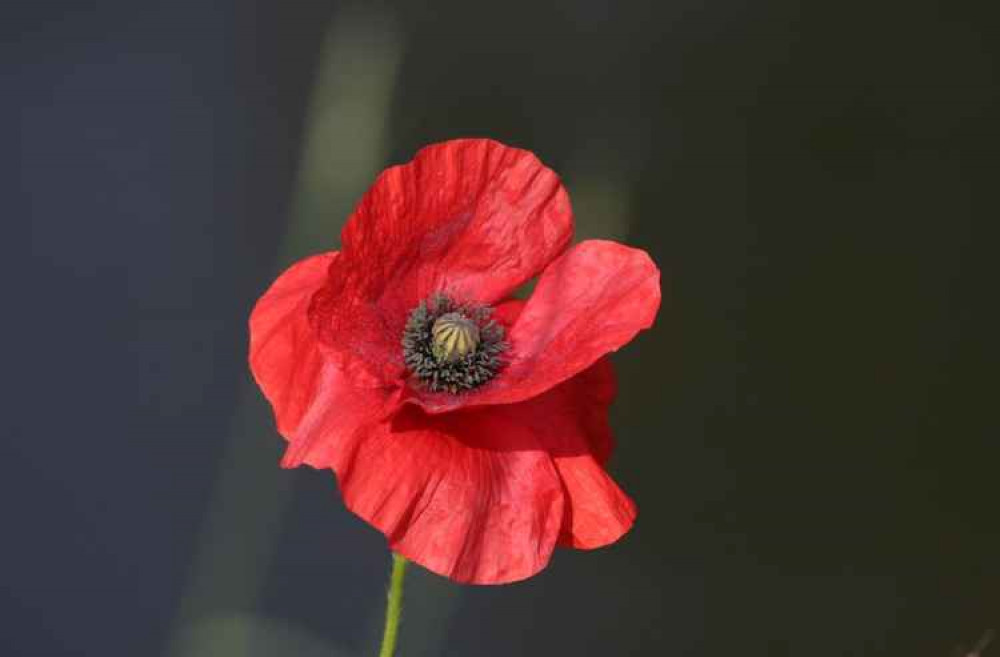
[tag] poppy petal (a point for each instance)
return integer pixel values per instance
(581, 408)
(483, 496)
(592, 300)
(470, 218)
(598, 512)
(318, 407)
(473, 513)
(284, 355)
(573, 418)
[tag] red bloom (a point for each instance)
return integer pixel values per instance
(470, 428)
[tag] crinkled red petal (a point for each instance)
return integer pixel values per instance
(471, 511)
(483, 496)
(317, 406)
(284, 355)
(598, 512)
(572, 420)
(592, 300)
(469, 218)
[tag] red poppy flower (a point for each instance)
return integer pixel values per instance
(470, 428)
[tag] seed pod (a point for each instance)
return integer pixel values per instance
(453, 337)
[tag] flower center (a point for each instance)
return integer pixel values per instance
(452, 347)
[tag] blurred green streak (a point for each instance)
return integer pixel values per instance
(343, 149)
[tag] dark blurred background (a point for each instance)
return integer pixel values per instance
(809, 430)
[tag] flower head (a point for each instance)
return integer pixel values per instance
(467, 426)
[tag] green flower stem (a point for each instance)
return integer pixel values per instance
(394, 606)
